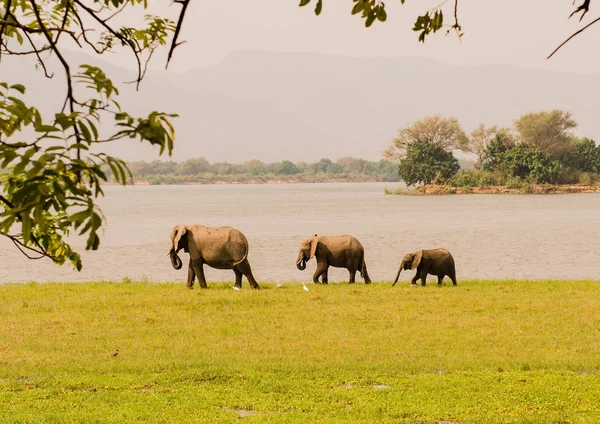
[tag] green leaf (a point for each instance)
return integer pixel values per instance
(19, 87)
(304, 2)
(318, 7)
(26, 228)
(358, 7)
(370, 19)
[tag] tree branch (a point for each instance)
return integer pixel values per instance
(2, 26)
(576, 33)
(20, 246)
(118, 36)
(174, 43)
(585, 7)
(42, 252)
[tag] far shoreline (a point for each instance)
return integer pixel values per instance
(252, 181)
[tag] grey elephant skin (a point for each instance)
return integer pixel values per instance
(217, 247)
(431, 261)
(343, 251)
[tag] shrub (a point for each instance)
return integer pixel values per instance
(583, 155)
(589, 178)
(477, 178)
(425, 162)
(523, 161)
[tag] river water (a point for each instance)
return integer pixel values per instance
(490, 236)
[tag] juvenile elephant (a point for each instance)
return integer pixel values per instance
(217, 247)
(434, 261)
(339, 251)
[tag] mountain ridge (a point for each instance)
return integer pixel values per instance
(304, 106)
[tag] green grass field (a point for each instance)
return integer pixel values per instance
(481, 352)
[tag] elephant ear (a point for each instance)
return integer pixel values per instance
(313, 246)
(416, 259)
(176, 235)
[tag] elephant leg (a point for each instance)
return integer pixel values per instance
(364, 274)
(246, 269)
(452, 276)
(321, 269)
(423, 275)
(440, 278)
(198, 266)
(191, 276)
(415, 278)
(325, 278)
(352, 279)
(238, 279)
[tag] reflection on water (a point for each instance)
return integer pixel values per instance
(490, 236)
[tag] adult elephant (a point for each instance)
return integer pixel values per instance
(338, 251)
(437, 262)
(217, 247)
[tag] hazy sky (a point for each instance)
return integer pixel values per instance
(519, 32)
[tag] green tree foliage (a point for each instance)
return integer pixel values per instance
(426, 162)
(326, 166)
(444, 132)
(483, 135)
(193, 166)
(549, 131)
(286, 168)
(583, 156)
(523, 161)
(254, 167)
(52, 178)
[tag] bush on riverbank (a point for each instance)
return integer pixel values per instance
(500, 351)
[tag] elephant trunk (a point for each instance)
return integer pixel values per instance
(175, 260)
(398, 275)
(301, 262)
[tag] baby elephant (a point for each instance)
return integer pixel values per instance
(434, 261)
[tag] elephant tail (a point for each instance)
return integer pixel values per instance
(243, 259)
(364, 274)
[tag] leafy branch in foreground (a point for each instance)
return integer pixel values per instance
(433, 20)
(51, 177)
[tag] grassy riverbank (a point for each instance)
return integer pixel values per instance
(484, 351)
(437, 189)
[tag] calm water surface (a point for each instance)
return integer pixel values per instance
(490, 236)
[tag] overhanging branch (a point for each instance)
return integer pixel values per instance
(174, 43)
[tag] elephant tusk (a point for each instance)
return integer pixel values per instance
(301, 264)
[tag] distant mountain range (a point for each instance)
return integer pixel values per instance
(302, 106)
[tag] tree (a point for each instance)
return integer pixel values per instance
(523, 161)
(52, 177)
(531, 163)
(583, 156)
(443, 132)
(426, 162)
(492, 153)
(482, 136)
(254, 167)
(355, 165)
(321, 166)
(286, 167)
(548, 130)
(193, 166)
